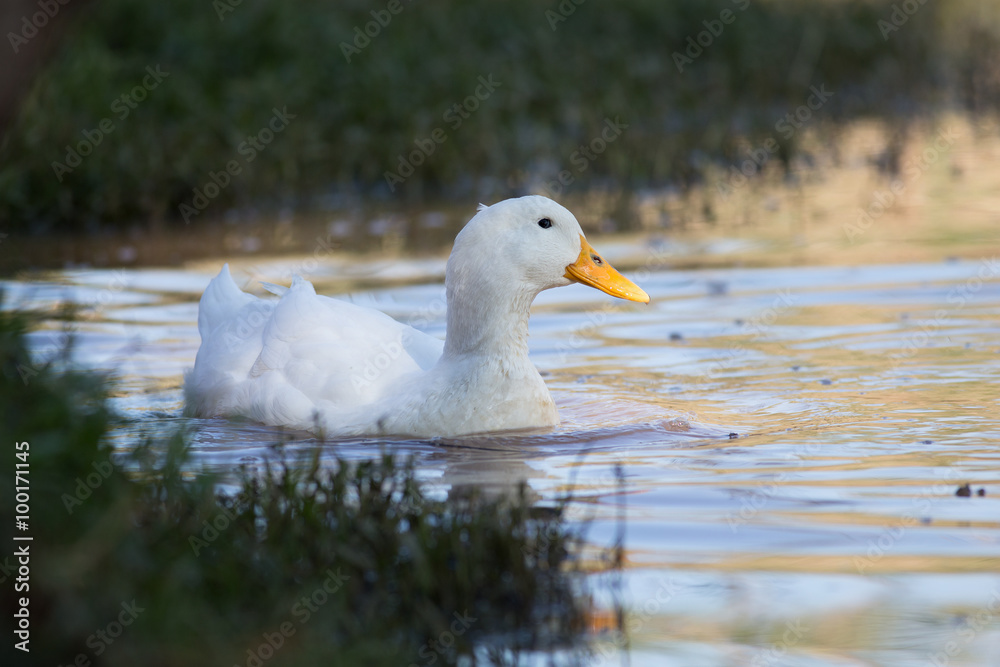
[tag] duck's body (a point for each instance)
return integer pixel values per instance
(311, 362)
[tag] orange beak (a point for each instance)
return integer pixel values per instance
(590, 269)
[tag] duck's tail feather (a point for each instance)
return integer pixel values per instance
(276, 290)
(220, 302)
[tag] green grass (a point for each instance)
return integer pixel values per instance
(348, 564)
(353, 120)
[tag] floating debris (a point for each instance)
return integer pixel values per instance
(717, 287)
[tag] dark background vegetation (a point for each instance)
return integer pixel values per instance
(411, 563)
(354, 120)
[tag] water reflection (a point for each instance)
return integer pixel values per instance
(858, 400)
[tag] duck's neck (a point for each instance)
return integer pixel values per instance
(488, 324)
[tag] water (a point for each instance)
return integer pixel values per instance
(791, 439)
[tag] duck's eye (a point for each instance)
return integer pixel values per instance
(544, 223)
(597, 260)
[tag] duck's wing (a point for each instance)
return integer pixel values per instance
(337, 351)
(279, 362)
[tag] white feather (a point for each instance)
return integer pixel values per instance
(276, 290)
(311, 362)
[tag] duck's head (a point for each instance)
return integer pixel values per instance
(534, 244)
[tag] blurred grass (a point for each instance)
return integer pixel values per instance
(216, 575)
(354, 120)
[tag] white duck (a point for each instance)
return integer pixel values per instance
(315, 363)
